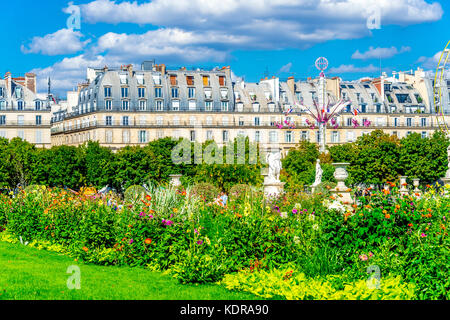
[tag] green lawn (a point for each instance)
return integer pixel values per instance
(31, 274)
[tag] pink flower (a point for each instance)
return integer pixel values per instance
(131, 241)
(294, 211)
(363, 257)
(199, 242)
(423, 235)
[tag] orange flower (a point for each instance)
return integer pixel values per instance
(428, 186)
(354, 206)
(85, 249)
(386, 191)
(410, 224)
(148, 241)
(238, 215)
(387, 216)
(397, 206)
(384, 211)
(148, 197)
(175, 210)
(46, 228)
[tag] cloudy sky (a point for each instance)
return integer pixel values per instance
(254, 37)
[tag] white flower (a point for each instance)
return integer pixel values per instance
(315, 227)
(311, 217)
(297, 206)
(284, 215)
(336, 205)
(296, 239)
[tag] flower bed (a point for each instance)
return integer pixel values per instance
(405, 237)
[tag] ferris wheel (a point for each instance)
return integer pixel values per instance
(439, 84)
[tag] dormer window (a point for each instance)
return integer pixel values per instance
(157, 79)
(190, 80)
(20, 105)
(191, 93)
(2, 92)
(224, 93)
(174, 92)
(107, 92)
(222, 81)
(2, 104)
(18, 92)
(205, 81)
(123, 78)
(141, 92)
(208, 93)
(173, 80)
(140, 79)
(38, 105)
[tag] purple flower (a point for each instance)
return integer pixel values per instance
(294, 211)
(196, 231)
(167, 222)
(141, 214)
(131, 241)
(423, 235)
(199, 242)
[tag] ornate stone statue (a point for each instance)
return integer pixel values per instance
(274, 161)
(319, 173)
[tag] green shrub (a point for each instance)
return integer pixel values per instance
(239, 191)
(134, 194)
(206, 191)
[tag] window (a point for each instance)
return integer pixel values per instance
(158, 93)
(257, 122)
(2, 105)
(109, 136)
(396, 122)
(141, 92)
(140, 78)
(125, 121)
(395, 133)
(257, 136)
(224, 105)
(125, 105)
(173, 80)
(208, 105)
(176, 105)
(192, 105)
(225, 136)
(208, 94)
(224, 93)
(20, 105)
(350, 136)
(205, 81)
(288, 137)
(108, 104)
(1, 91)
(126, 136)
(142, 105)
(18, 92)
(424, 134)
(124, 91)
(123, 78)
(222, 81)
(403, 98)
(38, 137)
(209, 135)
(142, 136)
(107, 92)
(192, 121)
(335, 137)
(304, 135)
(241, 121)
(20, 120)
(190, 80)
(225, 121)
(37, 105)
(273, 136)
(174, 92)
(157, 79)
(423, 122)
(191, 93)
(38, 120)
(2, 120)
(349, 122)
(192, 135)
(21, 134)
(108, 120)
(159, 105)
(409, 122)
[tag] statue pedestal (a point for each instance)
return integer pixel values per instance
(403, 187)
(272, 188)
(175, 180)
(341, 192)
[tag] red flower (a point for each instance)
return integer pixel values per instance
(148, 241)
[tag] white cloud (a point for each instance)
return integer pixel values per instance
(64, 41)
(286, 68)
(66, 74)
(266, 24)
(377, 53)
(352, 69)
(430, 62)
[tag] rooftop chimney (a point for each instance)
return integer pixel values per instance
(30, 81)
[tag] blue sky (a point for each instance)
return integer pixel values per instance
(283, 37)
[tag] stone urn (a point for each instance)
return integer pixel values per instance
(175, 180)
(416, 184)
(341, 190)
(403, 186)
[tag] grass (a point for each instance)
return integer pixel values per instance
(31, 274)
